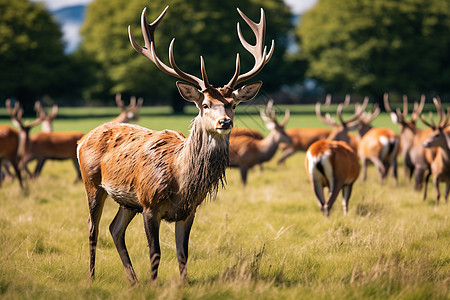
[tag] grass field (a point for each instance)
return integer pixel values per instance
(266, 241)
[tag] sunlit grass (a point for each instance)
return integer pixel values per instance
(266, 241)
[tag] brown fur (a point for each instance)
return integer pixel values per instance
(342, 160)
(9, 143)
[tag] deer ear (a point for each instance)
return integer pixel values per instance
(394, 118)
(190, 92)
(247, 92)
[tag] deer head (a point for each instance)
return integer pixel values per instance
(269, 118)
(129, 113)
(216, 105)
(46, 119)
(340, 130)
(439, 138)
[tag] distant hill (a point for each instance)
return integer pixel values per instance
(73, 14)
(70, 18)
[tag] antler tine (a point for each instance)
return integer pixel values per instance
(54, 111)
(430, 124)
(405, 106)
(119, 101)
(328, 99)
(417, 109)
(39, 110)
(132, 102)
(328, 121)
(287, 115)
(358, 112)
(269, 109)
(386, 103)
(439, 110)
(149, 51)
(258, 51)
(347, 100)
(140, 101)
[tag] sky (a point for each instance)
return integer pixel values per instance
(71, 30)
(298, 6)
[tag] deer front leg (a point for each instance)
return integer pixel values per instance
(96, 199)
(286, 153)
(447, 191)
(436, 187)
(117, 229)
(182, 231)
(151, 225)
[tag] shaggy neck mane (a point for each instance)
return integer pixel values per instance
(204, 163)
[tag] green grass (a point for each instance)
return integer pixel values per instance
(266, 241)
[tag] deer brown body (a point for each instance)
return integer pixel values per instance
(163, 174)
(247, 151)
(331, 164)
(302, 138)
(440, 138)
(9, 144)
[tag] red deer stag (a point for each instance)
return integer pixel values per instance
(340, 131)
(162, 174)
(411, 139)
(378, 145)
(440, 138)
(129, 113)
(331, 164)
(246, 151)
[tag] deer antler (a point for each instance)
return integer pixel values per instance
(149, 51)
(16, 114)
(443, 117)
(259, 50)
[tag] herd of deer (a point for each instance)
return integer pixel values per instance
(165, 176)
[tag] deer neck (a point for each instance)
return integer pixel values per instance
(203, 162)
(269, 145)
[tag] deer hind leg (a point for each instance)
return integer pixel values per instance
(18, 173)
(182, 231)
(117, 228)
(244, 172)
(380, 167)
(77, 168)
(346, 193)
(151, 225)
(427, 177)
(394, 169)
(364, 168)
(318, 191)
(447, 191)
(286, 153)
(436, 187)
(39, 166)
(96, 199)
(334, 192)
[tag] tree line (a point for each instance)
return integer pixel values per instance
(363, 47)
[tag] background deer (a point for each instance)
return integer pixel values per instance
(411, 139)
(331, 164)
(246, 151)
(129, 113)
(162, 174)
(9, 143)
(340, 131)
(440, 138)
(378, 145)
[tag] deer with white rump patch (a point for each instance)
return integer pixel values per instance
(331, 164)
(162, 174)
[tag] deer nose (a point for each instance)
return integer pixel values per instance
(226, 123)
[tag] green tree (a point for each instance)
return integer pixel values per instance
(206, 28)
(374, 46)
(31, 52)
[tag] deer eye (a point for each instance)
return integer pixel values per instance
(234, 106)
(205, 106)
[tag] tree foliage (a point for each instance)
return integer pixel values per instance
(202, 28)
(32, 60)
(373, 46)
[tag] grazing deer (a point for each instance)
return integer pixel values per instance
(378, 145)
(440, 138)
(162, 174)
(302, 138)
(411, 139)
(46, 119)
(246, 151)
(331, 164)
(129, 113)
(340, 131)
